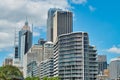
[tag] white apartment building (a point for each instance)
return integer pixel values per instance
(114, 68)
(74, 58)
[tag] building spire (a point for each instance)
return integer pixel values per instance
(26, 22)
(26, 27)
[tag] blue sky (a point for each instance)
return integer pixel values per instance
(100, 18)
(102, 24)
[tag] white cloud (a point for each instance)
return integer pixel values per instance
(114, 49)
(11, 55)
(5, 40)
(13, 13)
(36, 34)
(91, 8)
(79, 1)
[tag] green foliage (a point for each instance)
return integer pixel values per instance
(9, 72)
(51, 78)
(32, 78)
(45, 78)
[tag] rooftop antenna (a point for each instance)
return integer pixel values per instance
(26, 22)
(32, 27)
(26, 19)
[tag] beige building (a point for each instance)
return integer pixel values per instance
(8, 61)
(62, 23)
(17, 64)
(107, 72)
(48, 50)
(34, 54)
(51, 12)
(104, 75)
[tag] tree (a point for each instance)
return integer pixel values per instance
(9, 72)
(51, 78)
(32, 78)
(2, 77)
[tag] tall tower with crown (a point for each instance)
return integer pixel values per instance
(25, 41)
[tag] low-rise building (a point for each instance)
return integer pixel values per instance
(8, 61)
(32, 69)
(46, 68)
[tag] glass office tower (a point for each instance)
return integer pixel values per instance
(25, 41)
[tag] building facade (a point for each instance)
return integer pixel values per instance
(41, 41)
(16, 52)
(46, 68)
(50, 23)
(25, 41)
(62, 23)
(71, 57)
(93, 65)
(114, 68)
(34, 54)
(39, 52)
(48, 50)
(32, 69)
(102, 63)
(16, 55)
(8, 61)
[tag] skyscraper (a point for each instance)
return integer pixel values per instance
(58, 22)
(74, 58)
(25, 41)
(50, 23)
(62, 23)
(102, 63)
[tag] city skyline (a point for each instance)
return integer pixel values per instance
(101, 22)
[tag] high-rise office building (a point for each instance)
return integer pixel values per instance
(25, 41)
(74, 59)
(114, 69)
(58, 22)
(102, 63)
(50, 23)
(16, 60)
(62, 23)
